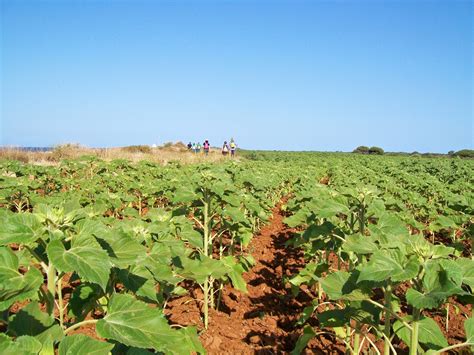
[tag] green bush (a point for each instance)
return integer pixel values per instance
(362, 149)
(464, 153)
(376, 151)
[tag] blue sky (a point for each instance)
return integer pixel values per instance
(291, 75)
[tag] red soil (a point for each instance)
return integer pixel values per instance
(263, 320)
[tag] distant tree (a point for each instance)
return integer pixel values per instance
(451, 152)
(376, 151)
(465, 153)
(362, 149)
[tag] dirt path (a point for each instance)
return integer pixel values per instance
(261, 321)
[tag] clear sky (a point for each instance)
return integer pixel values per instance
(291, 75)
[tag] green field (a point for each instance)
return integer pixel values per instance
(92, 253)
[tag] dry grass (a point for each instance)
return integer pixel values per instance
(163, 155)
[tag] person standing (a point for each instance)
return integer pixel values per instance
(189, 146)
(198, 148)
(206, 147)
(225, 149)
(233, 147)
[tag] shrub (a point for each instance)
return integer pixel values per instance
(362, 149)
(464, 153)
(376, 150)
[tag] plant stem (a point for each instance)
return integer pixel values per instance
(211, 292)
(60, 302)
(51, 286)
(390, 344)
(356, 339)
(362, 219)
(80, 324)
(388, 306)
(373, 345)
(348, 339)
(219, 297)
(414, 332)
(447, 317)
(392, 313)
(455, 346)
(206, 253)
(206, 302)
(320, 292)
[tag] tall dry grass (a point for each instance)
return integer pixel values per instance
(176, 152)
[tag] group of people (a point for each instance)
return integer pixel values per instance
(226, 147)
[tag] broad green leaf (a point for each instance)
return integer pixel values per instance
(391, 226)
(184, 196)
(330, 207)
(23, 345)
(190, 339)
(379, 268)
(88, 227)
(388, 265)
(421, 301)
(21, 228)
(311, 273)
(133, 323)
(91, 263)
(160, 269)
(429, 333)
(334, 318)
(193, 237)
(199, 269)
(235, 214)
(298, 219)
(159, 215)
(364, 312)
(15, 286)
(342, 285)
(30, 320)
(442, 279)
(318, 230)
(235, 271)
(244, 237)
(138, 280)
(442, 251)
(360, 244)
(82, 344)
(467, 267)
(123, 250)
(443, 222)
